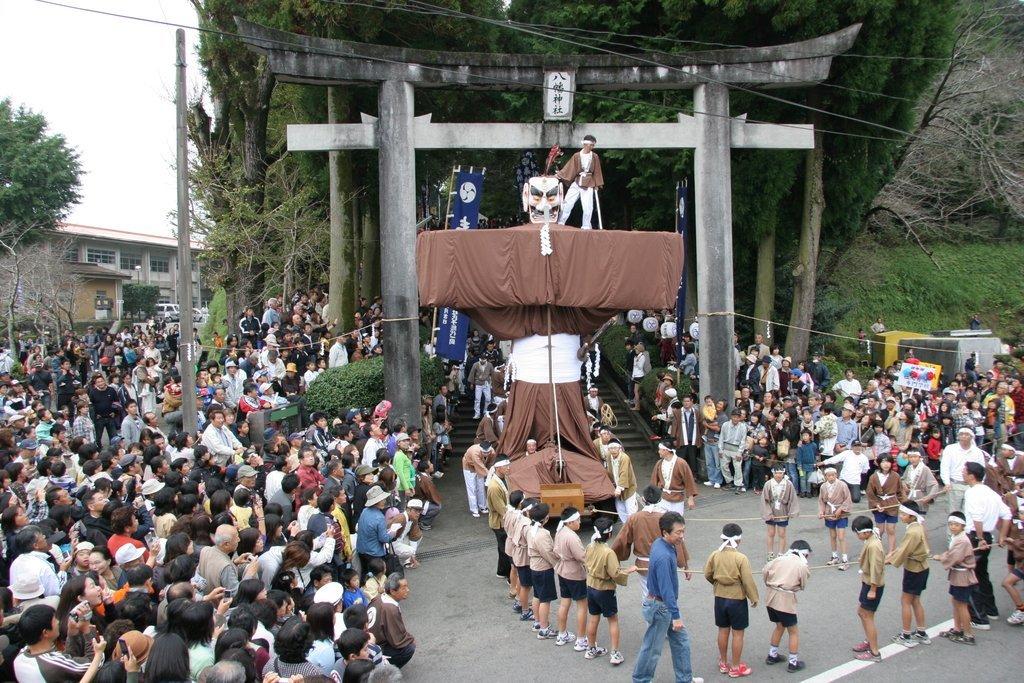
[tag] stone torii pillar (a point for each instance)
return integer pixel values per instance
(396, 141)
(396, 133)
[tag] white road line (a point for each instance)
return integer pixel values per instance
(854, 665)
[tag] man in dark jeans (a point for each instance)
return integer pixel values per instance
(105, 408)
(986, 514)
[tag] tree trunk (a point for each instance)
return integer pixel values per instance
(764, 292)
(342, 303)
(805, 273)
(370, 286)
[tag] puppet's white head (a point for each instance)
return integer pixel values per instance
(542, 198)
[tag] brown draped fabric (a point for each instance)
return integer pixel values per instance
(530, 411)
(590, 269)
(527, 473)
(500, 279)
(523, 321)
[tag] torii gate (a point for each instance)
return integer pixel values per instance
(396, 133)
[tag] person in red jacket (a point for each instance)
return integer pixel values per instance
(309, 475)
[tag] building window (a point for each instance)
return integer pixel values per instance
(101, 293)
(160, 264)
(130, 261)
(100, 256)
(71, 253)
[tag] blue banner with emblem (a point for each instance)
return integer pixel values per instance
(453, 325)
(468, 189)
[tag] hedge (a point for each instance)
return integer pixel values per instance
(361, 384)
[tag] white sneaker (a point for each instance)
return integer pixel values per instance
(707, 483)
(1016, 619)
(743, 489)
(582, 644)
(718, 486)
(476, 514)
(616, 658)
(565, 638)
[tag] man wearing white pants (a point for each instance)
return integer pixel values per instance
(583, 173)
(730, 449)
(480, 380)
(474, 471)
(621, 469)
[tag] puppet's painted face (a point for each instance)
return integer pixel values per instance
(542, 198)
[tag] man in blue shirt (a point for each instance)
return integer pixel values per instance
(661, 608)
(372, 529)
(847, 429)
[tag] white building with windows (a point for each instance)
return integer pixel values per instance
(109, 258)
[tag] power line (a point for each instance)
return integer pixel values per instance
(566, 32)
(490, 79)
(458, 14)
(300, 47)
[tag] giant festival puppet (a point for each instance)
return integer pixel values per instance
(544, 286)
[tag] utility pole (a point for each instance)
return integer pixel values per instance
(187, 353)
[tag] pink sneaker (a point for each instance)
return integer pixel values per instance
(723, 667)
(862, 646)
(740, 671)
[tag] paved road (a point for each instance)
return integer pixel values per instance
(466, 631)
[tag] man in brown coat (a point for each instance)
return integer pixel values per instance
(487, 429)
(474, 471)
(675, 479)
(640, 531)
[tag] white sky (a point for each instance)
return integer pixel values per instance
(107, 85)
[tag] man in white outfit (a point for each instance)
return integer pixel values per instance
(583, 173)
(951, 467)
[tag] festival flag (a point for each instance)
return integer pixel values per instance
(453, 325)
(684, 219)
(469, 189)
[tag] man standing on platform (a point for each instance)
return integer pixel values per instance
(583, 174)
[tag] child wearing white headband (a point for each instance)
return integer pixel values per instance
(912, 554)
(728, 570)
(784, 576)
(572, 579)
(603, 576)
(959, 560)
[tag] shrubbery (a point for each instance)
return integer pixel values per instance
(361, 384)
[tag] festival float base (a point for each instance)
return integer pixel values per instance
(545, 302)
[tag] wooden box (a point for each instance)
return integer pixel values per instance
(561, 496)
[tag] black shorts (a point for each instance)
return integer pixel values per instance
(914, 583)
(544, 585)
(787, 619)
(525, 576)
(574, 589)
(602, 603)
(870, 605)
(731, 613)
(961, 593)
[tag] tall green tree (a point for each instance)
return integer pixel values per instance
(39, 171)
(769, 189)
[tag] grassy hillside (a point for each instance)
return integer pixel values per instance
(903, 286)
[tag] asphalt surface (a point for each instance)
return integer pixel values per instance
(466, 631)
